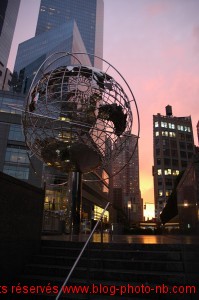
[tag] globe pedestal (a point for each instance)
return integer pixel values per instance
(76, 194)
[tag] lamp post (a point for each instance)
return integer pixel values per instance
(129, 210)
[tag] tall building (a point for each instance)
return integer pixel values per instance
(173, 147)
(33, 52)
(8, 17)
(14, 158)
(88, 14)
(126, 184)
(69, 26)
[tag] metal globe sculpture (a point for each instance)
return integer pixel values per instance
(75, 115)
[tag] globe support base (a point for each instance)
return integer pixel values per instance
(76, 202)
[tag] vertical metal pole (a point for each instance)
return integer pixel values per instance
(76, 202)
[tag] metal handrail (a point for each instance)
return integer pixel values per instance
(79, 256)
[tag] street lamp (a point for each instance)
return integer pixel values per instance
(129, 210)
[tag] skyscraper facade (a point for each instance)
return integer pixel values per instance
(8, 17)
(88, 14)
(33, 52)
(173, 148)
(126, 186)
(14, 159)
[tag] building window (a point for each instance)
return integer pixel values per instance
(17, 171)
(182, 136)
(7, 105)
(166, 152)
(160, 193)
(173, 144)
(165, 142)
(167, 161)
(168, 193)
(190, 155)
(184, 128)
(157, 133)
(167, 171)
(174, 162)
(158, 161)
(16, 155)
(164, 124)
(182, 145)
(165, 133)
(188, 137)
(184, 163)
(168, 182)
(156, 124)
(183, 154)
(159, 172)
(176, 172)
(15, 133)
(189, 147)
(180, 127)
(158, 151)
(174, 153)
(172, 134)
(171, 126)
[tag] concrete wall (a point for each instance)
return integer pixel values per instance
(21, 211)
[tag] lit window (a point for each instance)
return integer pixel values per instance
(17, 155)
(172, 134)
(168, 192)
(159, 172)
(165, 133)
(160, 193)
(180, 127)
(176, 172)
(171, 125)
(156, 124)
(167, 172)
(157, 133)
(164, 124)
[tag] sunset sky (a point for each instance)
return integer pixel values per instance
(155, 46)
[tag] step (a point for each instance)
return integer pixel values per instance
(110, 253)
(119, 264)
(108, 274)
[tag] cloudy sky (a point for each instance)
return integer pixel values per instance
(155, 46)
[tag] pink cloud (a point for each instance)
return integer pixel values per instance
(157, 8)
(196, 38)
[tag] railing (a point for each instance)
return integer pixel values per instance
(82, 251)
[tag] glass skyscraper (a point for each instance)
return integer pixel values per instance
(88, 14)
(8, 17)
(70, 26)
(33, 52)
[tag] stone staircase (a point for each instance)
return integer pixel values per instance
(113, 269)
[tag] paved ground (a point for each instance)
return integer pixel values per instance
(137, 239)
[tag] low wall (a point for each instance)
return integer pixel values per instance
(21, 211)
